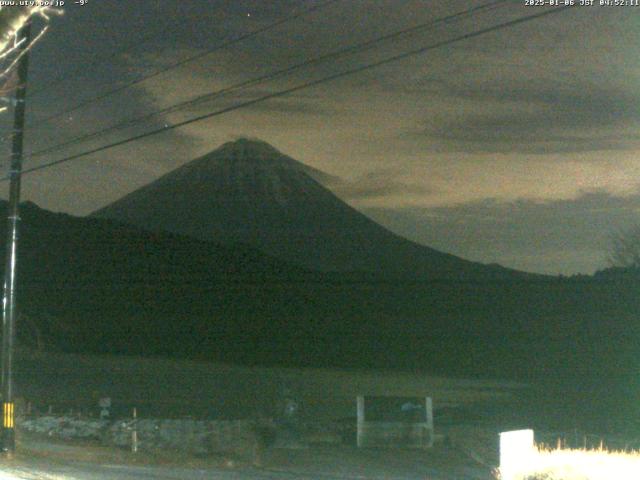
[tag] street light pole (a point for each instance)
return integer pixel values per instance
(13, 219)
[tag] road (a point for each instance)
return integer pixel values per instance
(86, 471)
(54, 461)
(39, 469)
(116, 472)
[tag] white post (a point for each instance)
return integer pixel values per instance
(428, 405)
(134, 432)
(517, 452)
(360, 405)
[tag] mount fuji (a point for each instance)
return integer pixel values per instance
(247, 192)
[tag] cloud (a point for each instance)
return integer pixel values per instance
(300, 104)
(538, 118)
(562, 236)
(385, 183)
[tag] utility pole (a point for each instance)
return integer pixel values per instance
(13, 219)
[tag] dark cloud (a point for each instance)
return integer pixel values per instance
(301, 104)
(539, 118)
(378, 184)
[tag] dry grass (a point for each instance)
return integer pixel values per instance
(567, 464)
(177, 388)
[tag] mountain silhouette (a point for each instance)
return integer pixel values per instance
(248, 192)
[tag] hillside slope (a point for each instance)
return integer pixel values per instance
(93, 285)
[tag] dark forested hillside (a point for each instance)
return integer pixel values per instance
(92, 285)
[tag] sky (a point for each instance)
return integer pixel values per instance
(518, 147)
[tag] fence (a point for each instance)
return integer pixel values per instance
(186, 435)
(394, 421)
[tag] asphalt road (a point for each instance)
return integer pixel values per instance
(87, 471)
(41, 470)
(54, 461)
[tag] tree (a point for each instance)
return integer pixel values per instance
(625, 248)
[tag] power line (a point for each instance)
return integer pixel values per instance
(357, 48)
(301, 87)
(309, 84)
(184, 61)
(83, 67)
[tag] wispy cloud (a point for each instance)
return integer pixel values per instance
(561, 236)
(536, 118)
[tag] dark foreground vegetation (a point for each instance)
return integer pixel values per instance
(95, 286)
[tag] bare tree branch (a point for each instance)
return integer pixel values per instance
(625, 248)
